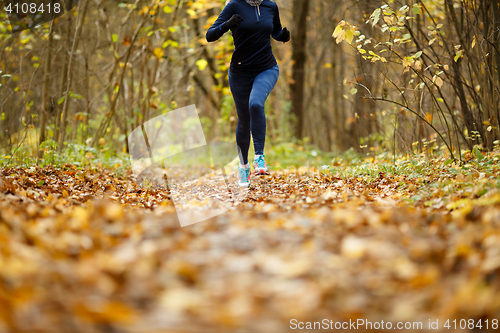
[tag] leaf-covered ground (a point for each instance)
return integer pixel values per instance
(90, 251)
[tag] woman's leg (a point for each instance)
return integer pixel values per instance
(241, 86)
(262, 87)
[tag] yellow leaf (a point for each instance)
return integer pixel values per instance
(202, 64)
(203, 41)
(158, 52)
(192, 13)
(474, 42)
(105, 312)
(429, 117)
(144, 10)
(211, 20)
(340, 37)
(337, 31)
(349, 36)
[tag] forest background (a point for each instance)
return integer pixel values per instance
(413, 77)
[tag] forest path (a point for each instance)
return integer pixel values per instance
(89, 251)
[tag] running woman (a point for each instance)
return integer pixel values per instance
(253, 72)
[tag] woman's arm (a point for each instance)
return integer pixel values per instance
(219, 27)
(277, 30)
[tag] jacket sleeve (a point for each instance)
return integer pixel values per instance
(277, 29)
(219, 27)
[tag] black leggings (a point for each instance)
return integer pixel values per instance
(250, 92)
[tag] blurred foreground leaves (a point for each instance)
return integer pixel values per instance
(89, 251)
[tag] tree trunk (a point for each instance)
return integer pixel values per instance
(45, 92)
(496, 42)
(64, 71)
(300, 12)
(344, 144)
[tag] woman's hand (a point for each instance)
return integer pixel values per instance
(234, 21)
(285, 35)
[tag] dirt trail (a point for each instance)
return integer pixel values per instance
(86, 251)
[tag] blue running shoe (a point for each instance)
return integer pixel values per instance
(244, 177)
(260, 166)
